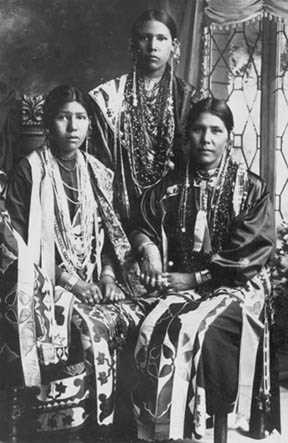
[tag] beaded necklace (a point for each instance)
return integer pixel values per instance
(148, 129)
(212, 184)
(66, 167)
(74, 239)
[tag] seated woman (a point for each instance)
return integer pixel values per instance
(59, 201)
(203, 244)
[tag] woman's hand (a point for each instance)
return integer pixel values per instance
(88, 293)
(110, 290)
(151, 266)
(179, 281)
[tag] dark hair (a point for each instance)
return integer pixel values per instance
(58, 97)
(154, 14)
(214, 106)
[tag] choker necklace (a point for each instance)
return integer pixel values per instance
(67, 159)
(61, 164)
(201, 174)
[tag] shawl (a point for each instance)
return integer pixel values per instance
(40, 250)
(41, 219)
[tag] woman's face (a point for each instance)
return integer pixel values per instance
(70, 127)
(209, 138)
(154, 46)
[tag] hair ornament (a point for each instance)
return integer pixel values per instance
(176, 53)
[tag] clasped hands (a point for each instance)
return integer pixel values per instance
(152, 277)
(175, 281)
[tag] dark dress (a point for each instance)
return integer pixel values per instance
(197, 349)
(110, 133)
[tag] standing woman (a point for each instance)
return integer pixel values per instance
(60, 203)
(204, 243)
(139, 116)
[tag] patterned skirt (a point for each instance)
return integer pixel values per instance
(196, 356)
(81, 385)
(49, 340)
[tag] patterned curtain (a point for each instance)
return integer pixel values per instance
(227, 12)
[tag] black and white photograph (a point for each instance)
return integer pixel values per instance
(143, 221)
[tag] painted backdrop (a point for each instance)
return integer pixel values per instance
(47, 42)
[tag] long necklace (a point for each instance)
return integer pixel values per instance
(74, 247)
(218, 188)
(149, 130)
(72, 188)
(218, 179)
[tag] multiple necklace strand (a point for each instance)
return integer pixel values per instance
(74, 239)
(148, 129)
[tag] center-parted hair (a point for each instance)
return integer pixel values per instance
(216, 107)
(153, 14)
(58, 97)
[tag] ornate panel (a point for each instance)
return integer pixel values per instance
(281, 148)
(232, 70)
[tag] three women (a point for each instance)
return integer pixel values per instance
(203, 242)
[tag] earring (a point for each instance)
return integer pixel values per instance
(133, 55)
(47, 137)
(176, 50)
(184, 200)
(86, 145)
(134, 86)
(229, 144)
(175, 56)
(170, 100)
(170, 93)
(131, 50)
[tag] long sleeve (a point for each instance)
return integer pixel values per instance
(148, 219)
(246, 247)
(18, 197)
(251, 241)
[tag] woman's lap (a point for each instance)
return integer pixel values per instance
(189, 350)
